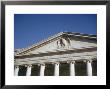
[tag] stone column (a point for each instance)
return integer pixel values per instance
(56, 69)
(42, 69)
(16, 70)
(89, 68)
(72, 68)
(28, 72)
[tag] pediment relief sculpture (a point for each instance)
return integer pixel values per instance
(64, 42)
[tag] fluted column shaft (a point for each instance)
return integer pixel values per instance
(42, 69)
(16, 70)
(72, 68)
(89, 68)
(28, 72)
(56, 69)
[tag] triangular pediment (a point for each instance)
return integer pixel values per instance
(61, 42)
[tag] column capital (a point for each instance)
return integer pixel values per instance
(71, 61)
(28, 65)
(56, 63)
(43, 64)
(16, 66)
(87, 61)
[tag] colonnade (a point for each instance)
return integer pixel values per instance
(56, 69)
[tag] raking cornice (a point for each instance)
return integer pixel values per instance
(53, 38)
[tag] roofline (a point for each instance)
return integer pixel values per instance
(58, 35)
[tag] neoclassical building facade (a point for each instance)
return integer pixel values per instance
(64, 54)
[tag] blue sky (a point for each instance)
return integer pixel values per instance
(32, 28)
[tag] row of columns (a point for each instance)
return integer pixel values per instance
(56, 69)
